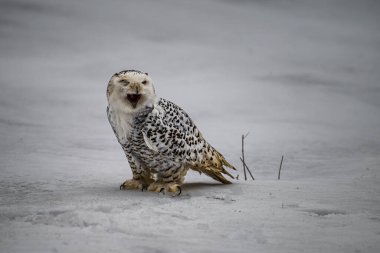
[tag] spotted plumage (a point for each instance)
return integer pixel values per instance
(160, 140)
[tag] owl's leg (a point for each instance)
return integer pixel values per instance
(169, 181)
(132, 184)
(169, 188)
(156, 186)
(140, 179)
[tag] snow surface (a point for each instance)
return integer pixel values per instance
(301, 76)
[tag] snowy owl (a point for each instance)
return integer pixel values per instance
(159, 139)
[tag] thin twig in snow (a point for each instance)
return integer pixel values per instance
(279, 169)
(245, 165)
(242, 154)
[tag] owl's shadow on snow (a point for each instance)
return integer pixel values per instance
(199, 185)
(188, 189)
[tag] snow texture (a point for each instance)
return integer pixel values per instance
(301, 76)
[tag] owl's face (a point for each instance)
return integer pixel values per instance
(130, 91)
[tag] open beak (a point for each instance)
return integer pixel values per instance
(133, 99)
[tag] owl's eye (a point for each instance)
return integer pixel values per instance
(124, 82)
(144, 82)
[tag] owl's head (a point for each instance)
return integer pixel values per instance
(130, 91)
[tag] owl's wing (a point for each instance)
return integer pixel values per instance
(169, 131)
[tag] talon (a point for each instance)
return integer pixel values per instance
(144, 187)
(131, 184)
(162, 190)
(180, 190)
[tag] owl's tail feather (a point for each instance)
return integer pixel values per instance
(214, 167)
(216, 175)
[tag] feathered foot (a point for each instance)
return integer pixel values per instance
(132, 184)
(171, 189)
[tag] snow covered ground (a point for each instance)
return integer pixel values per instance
(301, 76)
